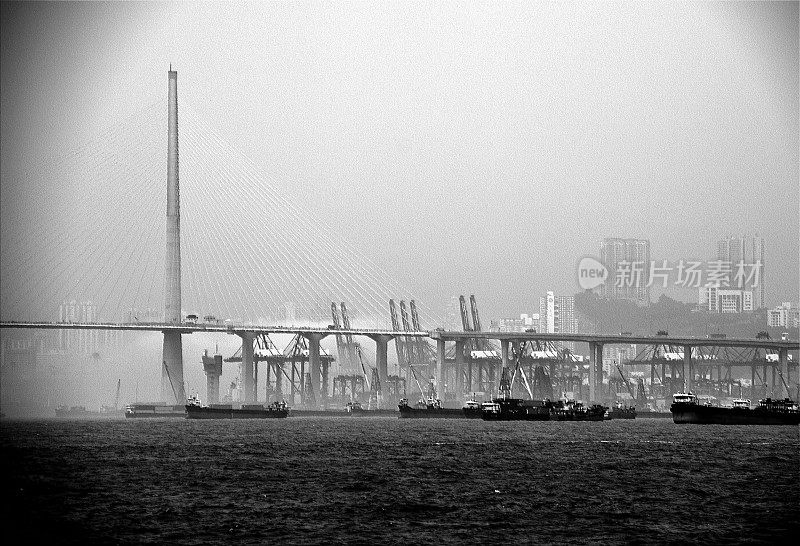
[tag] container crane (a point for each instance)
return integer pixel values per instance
(476, 323)
(399, 342)
(423, 349)
(410, 348)
(340, 342)
(627, 383)
(351, 350)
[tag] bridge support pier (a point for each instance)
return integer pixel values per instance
(504, 344)
(688, 372)
(212, 366)
(316, 369)
(248, 377)
(382, 361)
(172, 389)
(440, 352)
(595, 371)
(458, 383)
(783, 362)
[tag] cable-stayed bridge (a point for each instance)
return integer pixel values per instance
(89, 227)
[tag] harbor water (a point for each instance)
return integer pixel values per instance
(391, 481)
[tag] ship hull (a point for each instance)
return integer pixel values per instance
(198, 412)
(407, 412)
(343, 413)
(649, 414)
(622, 414)
(516, 416)
(710, 415)
(151, 411)
(577, 416)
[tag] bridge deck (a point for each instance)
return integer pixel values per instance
(604, 339)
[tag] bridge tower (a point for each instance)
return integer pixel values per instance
(172, 390)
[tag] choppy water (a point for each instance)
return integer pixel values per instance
(383, 480)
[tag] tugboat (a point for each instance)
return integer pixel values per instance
(686, 409)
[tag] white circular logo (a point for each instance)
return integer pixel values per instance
(591, 273)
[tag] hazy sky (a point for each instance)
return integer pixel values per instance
(469, 148)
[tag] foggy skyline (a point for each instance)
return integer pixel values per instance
(467, 149)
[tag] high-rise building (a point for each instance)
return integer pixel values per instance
(784, 316)
(628, 264)
(721, 300)
(745, 258)
(557, 314)
(521, 324)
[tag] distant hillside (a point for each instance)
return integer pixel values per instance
(677, 318)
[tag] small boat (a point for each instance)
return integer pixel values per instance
(472, 409)
(74, 412)
(354, 407)
(621, 411)
(686, 409)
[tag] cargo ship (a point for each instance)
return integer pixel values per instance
(577, 411)
(686, 409)
(427, 409)
(75, 412)
(517, 409)
(194, 410)
(154, 410)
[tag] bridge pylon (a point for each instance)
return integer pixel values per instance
(172, 387)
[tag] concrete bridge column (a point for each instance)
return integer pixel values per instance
(278, 369)
(212, 366)
(248, 377)
(504, 352)
(688, 372)
(316, 367)
(595, 371)
(592, 371)
(783, 362)
(459, 379)
(172, 389)
(382, 360)
(440, 352)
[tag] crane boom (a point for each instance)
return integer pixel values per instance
(414, 375)
(351, 351)
(627, 383)
(464, 314)
(340, 344)
(410, 349)
(476, 321)
(422, 347)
